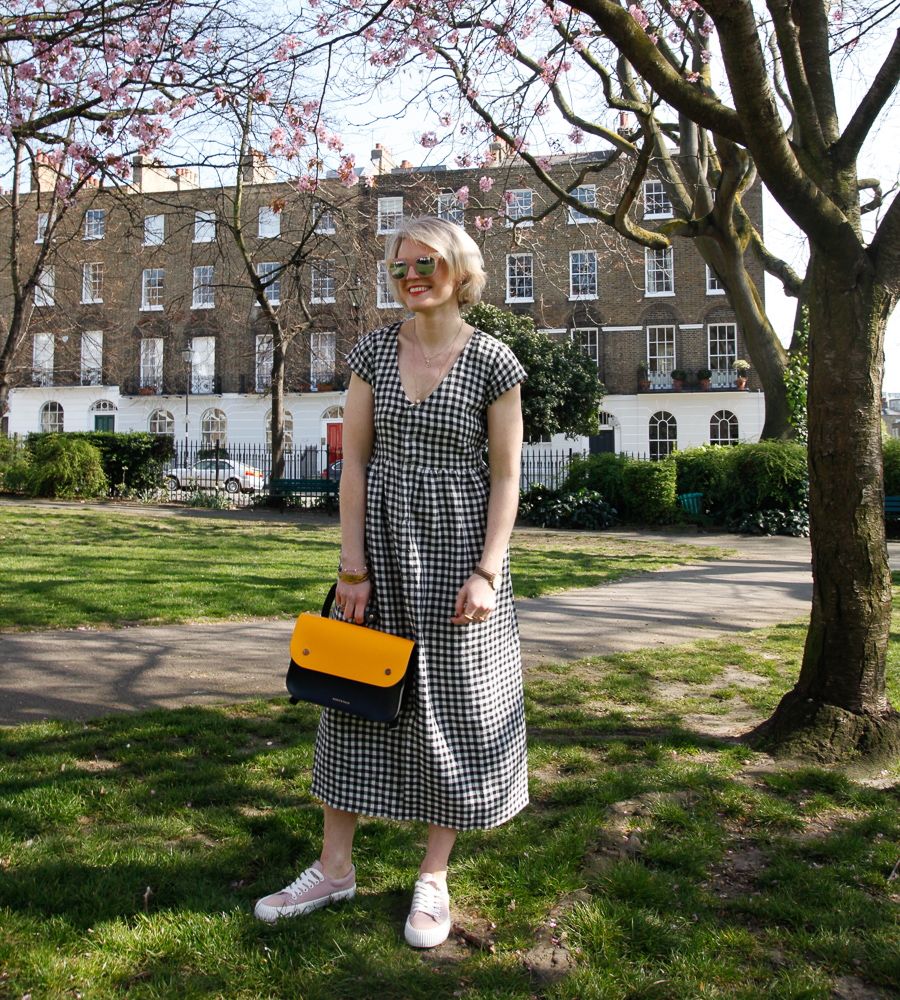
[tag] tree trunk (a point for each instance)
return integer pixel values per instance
(277, 404)
(839, 707)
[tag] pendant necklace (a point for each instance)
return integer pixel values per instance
(444, 369)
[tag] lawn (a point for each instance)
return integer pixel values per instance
(63, 567)
(659, 856)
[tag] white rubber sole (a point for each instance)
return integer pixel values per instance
(270, 914)
(430, 937)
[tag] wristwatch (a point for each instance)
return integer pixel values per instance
(492, 578)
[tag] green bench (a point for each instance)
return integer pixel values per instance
(327, 488)
(691, 502)
(891, 507)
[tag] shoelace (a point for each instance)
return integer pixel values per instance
(307, 880)
(427, 899)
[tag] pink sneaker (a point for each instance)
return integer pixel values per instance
(312, 890)
(428, 923)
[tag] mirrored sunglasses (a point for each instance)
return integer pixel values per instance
(424, 266)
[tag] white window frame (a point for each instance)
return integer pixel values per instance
(45, 288)
(43, 224)
(52, 417)
(584, 258)
(587, 195)
(92, 357)
(729, 418)
(265, 346)
(92, 275)
(655, 201)
(94, 224)
(322, 281)
(323, 217)
(273, 289)
(204, 292)
(384, 290)
(288, 431)
(151, 375)
(322, 357)
(152, 280)
(654, 267)
(390, 214)
(204, 227)
(161, 422)
(213, 428)
(154, 230)
(671, 423)
(42, 351)
(660, 360)
(203, 365)
(269, 223)
(519, 268)
(715, 338)
(713, 285)
(449, 208)
(587, 340)
(522, 204)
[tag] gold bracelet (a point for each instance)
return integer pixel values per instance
(352, 578)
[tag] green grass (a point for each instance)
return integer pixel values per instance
(132, 849)
(63, 568)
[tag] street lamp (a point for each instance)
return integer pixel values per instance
(188, 357)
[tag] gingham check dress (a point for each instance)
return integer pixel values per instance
(458, 756)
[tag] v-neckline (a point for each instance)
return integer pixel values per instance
(447, 374)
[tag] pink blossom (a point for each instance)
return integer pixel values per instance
(26, 71)
(278, 137)
(705, 55)
(639, 16)
(544, 163)
(429, 140)
(653, 38)
(370, 180)
(576, 136)
(542, 108)
(446, 119)
(306, 185)
(464, 159)
(483, 223)
(692, 77)
(351, 179)
(462, 195)
(486, 183)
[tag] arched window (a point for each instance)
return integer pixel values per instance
(214, 429)
(52, 418)
(161, 422)
(607, 419)
(333, 413)
(663, 435)
(288, 431)
(723, 428)
(104, 411)
(104, 406)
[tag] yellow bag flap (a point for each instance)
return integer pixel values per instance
(350, 651)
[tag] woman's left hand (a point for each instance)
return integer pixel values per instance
(474, 602)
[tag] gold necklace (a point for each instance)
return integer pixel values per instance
(439, 353)
(443, 371)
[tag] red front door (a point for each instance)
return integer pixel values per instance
(335, 442)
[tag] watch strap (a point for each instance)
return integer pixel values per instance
(492, 578)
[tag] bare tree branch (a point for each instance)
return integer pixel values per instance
(870, 107)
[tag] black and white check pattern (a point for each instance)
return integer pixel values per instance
(458, 756)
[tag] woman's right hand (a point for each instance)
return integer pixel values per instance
(352, 598)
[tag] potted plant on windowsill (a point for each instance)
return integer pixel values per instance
(643, 380)
(147, 390)
(704, 375)
(678, 377)
(741, 368)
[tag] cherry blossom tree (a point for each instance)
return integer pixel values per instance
(775, 118)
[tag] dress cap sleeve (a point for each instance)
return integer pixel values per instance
(362, 359)
(506, 372)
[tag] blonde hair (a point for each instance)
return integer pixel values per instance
(456, 247)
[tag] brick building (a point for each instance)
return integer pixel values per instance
(146, 318)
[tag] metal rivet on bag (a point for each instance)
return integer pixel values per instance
(388, 670)
(306, 652)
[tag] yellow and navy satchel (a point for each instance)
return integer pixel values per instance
(349, 667)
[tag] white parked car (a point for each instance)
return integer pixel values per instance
(234, 476)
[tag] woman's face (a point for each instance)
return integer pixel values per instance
(429, 292)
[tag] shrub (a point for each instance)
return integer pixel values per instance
(891, 452)
(132, 462)
(649, 491)
(64, 467)
(604, 474)
(583, 508)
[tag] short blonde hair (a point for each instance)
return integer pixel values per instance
(456, 247)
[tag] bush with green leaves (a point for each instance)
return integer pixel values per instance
(891, 452)
(563, 392)
(584, 509)
(604, 474)
(64, 467)
(649, 491)
(132, 461)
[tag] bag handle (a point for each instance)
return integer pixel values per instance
(368, 619)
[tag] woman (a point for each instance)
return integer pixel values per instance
(425, 526)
